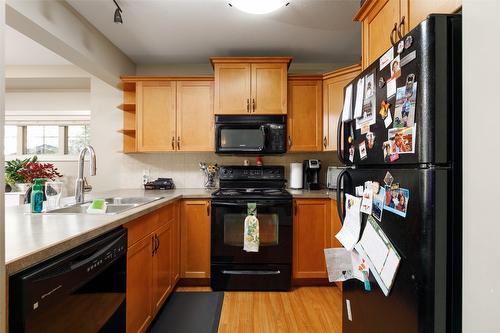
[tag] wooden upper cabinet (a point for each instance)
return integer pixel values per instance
(247, 86)
(333, 101)
(311, 235)
(381, 19)
(305, 113)
(418, 10)
(195, 106)
(195, 239)
(156, 115)
(232, 88)
(269, 88)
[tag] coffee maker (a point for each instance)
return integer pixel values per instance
(311, 174)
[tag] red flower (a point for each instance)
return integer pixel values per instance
(34, 170)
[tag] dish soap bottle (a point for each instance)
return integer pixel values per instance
(37, 197)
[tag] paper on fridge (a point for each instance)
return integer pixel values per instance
(343, 265)
(347, 109)
(380, 255)
(348, 236)
(358, 106)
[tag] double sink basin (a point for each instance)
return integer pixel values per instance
(115, 205)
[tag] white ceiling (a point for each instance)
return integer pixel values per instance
(190, 31)
(22, 50)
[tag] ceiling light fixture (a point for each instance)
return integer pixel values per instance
(258, 6)
(118, 15)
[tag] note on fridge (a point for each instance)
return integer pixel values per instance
(343, 265)
(348, 236)
(358, 106)
(380, 255)
(347, 110)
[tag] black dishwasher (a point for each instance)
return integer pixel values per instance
(82, 290)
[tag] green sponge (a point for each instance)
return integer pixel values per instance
(98, 206)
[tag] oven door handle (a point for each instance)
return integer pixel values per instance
(244, 203)
(247, 272)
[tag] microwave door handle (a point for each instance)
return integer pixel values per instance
(263, 130)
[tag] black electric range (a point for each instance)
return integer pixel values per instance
(232, 268)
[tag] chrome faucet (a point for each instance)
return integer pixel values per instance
(80, 182)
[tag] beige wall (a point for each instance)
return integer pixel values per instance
(481, 269)
(2, 186)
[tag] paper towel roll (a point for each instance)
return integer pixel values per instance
(296, 175)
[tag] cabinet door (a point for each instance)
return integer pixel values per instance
(176, 251)
(155, 116)
(195, 239)
(305, 115)
(333, 101)
(195, 106)
(163, 265)
(418, 10)
(232, 89)
(269, 88)
(139, 285)
(377, 27)
(311, 235)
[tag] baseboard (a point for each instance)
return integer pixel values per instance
(192, 282)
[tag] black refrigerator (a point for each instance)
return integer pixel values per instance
(420, 147)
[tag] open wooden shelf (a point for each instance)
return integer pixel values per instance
(127, 107)
(127, 131)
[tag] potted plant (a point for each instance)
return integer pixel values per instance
(13, 177)
(34, 170)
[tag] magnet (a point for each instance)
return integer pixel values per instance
(401, 46)
(350, 139)
(351, 154)
(408, 42)
(375, 187)
(388, 179)
(394, 186)
(410, 79)
(384, 109)
(393, 157)
(381, 82)
(362, 150)
(370, 137)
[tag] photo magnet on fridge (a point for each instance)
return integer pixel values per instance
(388, 179)
(404, 115)
(351, 154)
(384, 109)
(368, 113)
(378, 204)
(367, 202)
(370, 138)
(395, 67)
(362, 150)
(396, 201)
(369, 85)
(402, 140)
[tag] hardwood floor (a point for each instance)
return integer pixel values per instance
(304, 309)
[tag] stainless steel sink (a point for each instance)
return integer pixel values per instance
(114, 205)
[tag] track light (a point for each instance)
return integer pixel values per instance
(118, 15)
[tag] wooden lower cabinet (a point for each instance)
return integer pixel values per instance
(151, 265)
(311, 235)
(139, 285)
(195, 239)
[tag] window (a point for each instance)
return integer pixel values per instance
(78, 136)
(10, 142)
(42, 139)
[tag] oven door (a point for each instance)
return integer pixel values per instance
(234, 138)
(275, 232)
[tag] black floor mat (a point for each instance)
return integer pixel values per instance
(190, 312)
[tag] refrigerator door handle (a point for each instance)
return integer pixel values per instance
(340, 190)
(340, 154)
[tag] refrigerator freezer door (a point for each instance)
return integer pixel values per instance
(418, 298)
(429, 82)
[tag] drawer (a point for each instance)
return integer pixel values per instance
(167, 213)
(141, 227)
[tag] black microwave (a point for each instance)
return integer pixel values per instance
(262, 135)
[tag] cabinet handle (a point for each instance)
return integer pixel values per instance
(178, 143)
(289, 142)
(173, 143)
(295, 208)
(401, 24)
(153, 245)
(208, 208)
(394, 31)
(248, 105)
(253, 104)
(325, 141)
(157, 243)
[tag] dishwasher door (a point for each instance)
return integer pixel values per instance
(82, 290)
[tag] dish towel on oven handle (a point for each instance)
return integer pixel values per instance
(251, 238)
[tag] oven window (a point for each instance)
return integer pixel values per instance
(242, 138)
(234, 225)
